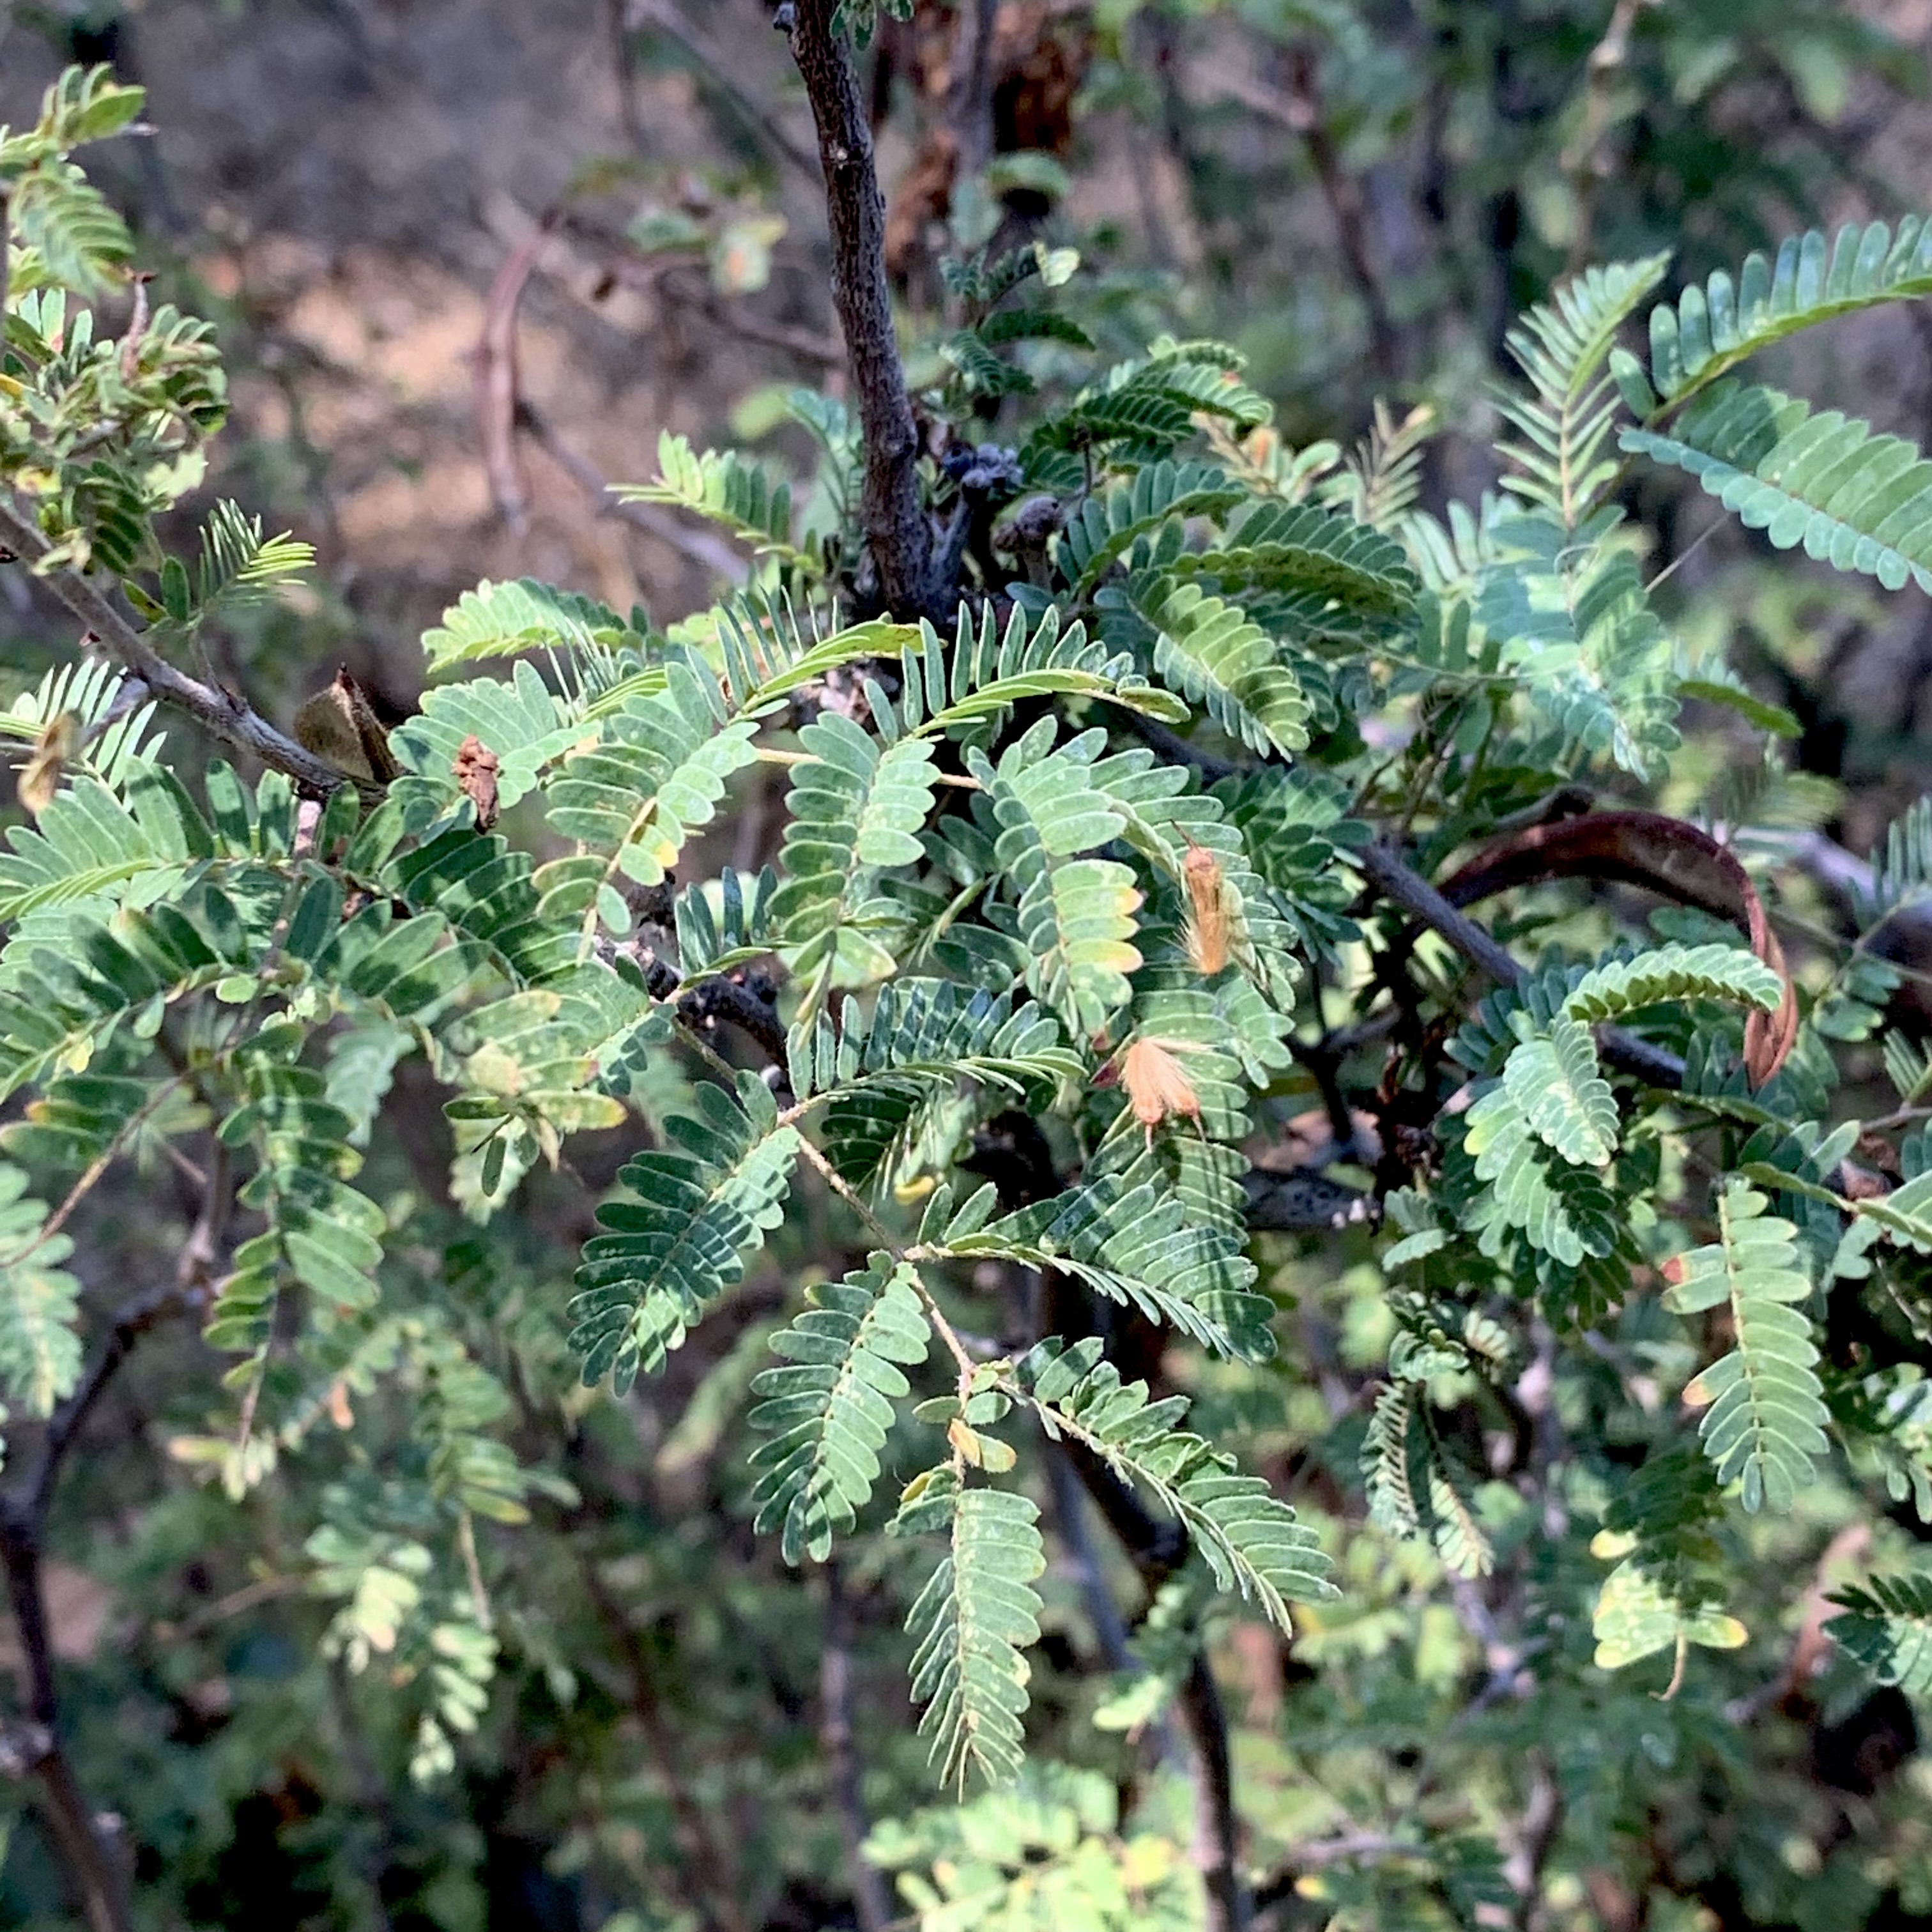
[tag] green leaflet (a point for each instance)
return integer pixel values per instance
(1887, 1628)
(1637, 1616)
(1564, 1209)
(1302, 549)
(725, 489)
(699, 1209)
(1710, 329)
(1137, 1245)
(1075, 915)
(1212, 652)
(855, 810)
(1670, 973)
(1860, 502)
(829, 1411)
(887, 1070)
(1106, 526)
(39, 1351)
(1569, 614)
(1561, 427)
(1554, 1083)
(1414, 1489)
(1764, 1423)
(502, 620)
(1251, 1539)
(971, 1625)
(986, 671)
(319, 1231)
(654, 775)
(519, 722)
(135, 841)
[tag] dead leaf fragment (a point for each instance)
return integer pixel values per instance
(1157, 1084)
(476, 770)
(1207, 923)
(53, 750)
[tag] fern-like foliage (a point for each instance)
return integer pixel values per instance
(1382, 477)
(829, 1410)
(1214, 653)
(655, 774)
(1553, 1082)
(1569, 612)
(724, 489)
(40, 1351)
(74, 238)
(1142, 409)
(1765, 1421)
(972, 1625)
(320, 1230)
(1562, 347)
(503, 620)
(134, 833)
(241, 566)
(1251, 1539)
(1414, 1488)
(922, 1040)
(1710, 329)
(699, 1209)
(988, 671)
(740, 929)
(1887, 1628)
(1076, 914)
(1133, 1244)
(1860, 502)
(1106, 527)
(855, 810)
(1713, 971)
(1302, 551)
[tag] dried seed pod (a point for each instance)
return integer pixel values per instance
(53, 750)
(1157, 1085)
(1208, 936)
(341, 725)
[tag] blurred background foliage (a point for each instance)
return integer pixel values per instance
(1362, 196)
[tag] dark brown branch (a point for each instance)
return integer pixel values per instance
(1377, 862)
(702, 1873)
(896, 529)
(35, 1748)
(871, 1904)
(1414, 893)
(220, 713)
(1157, 1549)
(971, 110)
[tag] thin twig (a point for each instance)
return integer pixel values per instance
(894, 520)
(616, 20)
(971, 110)
(36, 1747)
(223, 715)
(709, 551)
(871, 1905)
(1584, 161)
(717, 69)
(493, 367)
